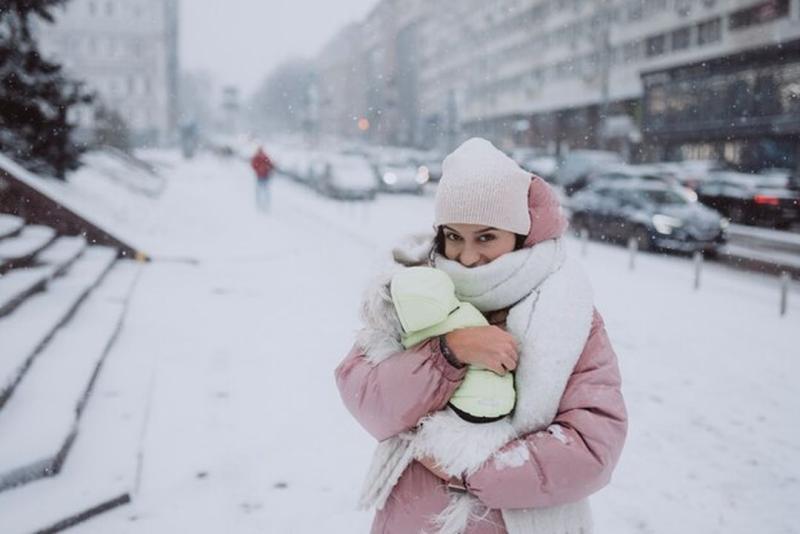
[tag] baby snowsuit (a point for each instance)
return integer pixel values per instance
(425, 302)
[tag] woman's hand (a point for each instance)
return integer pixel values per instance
(431, 465)
(489, 347)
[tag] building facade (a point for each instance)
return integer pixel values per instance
(340, 85)
(127, 52)
(558, 74)
(368, 76)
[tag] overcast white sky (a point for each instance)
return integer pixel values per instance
(240, 41)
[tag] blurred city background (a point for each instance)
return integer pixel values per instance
(193, 196)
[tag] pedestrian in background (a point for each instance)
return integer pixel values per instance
(262, 166)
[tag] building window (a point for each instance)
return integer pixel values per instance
(681, 38)
(635, 10)
(709, 31)
(656, 45)
(758, 14)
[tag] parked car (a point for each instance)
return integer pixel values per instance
(401, 176)
(657, 215)
(434, 167)
(750, 199)
(573, 173)
(348, 177)
(691, 173)
(649, 173)
(543, 166)
(292, 163)
(782, 177)
(315, 169)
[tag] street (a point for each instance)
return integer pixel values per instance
(241, 318)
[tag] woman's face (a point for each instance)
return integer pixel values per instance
(473, 244)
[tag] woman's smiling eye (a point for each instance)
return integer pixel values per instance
(483, 238)
(451, 236)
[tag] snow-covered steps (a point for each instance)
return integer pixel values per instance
(40, 420)
(18, 284)
(62, 252)
(10, 225)
(26, 331)
(100, 471)
(22, 247)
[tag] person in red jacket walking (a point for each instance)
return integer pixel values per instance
(262, 166)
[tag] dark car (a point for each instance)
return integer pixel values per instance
(649, 173)
(750, 199)
(575, 170)
(658, 216)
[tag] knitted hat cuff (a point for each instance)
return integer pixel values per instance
(481, 185)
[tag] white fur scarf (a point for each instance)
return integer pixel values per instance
(551, 314)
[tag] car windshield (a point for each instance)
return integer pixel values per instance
(659, 196)
(350, 166)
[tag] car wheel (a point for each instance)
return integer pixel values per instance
(644, 240)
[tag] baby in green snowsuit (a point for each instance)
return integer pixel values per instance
(425, 302)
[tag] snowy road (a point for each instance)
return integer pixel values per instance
(245, 430)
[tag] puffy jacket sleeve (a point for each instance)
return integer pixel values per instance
(392, 396)
(576, 455)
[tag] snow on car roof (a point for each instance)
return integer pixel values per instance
(637, 184)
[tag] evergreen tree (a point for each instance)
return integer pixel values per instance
(35, 96)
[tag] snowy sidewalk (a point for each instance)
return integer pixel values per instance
(245, 429)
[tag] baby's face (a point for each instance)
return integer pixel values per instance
(473, 244)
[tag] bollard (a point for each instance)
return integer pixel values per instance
(784, 292)
(584, 241)
(698, 268)
(633, 247)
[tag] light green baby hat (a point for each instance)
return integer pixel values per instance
(426, 305)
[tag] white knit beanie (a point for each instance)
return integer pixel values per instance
(481, 185)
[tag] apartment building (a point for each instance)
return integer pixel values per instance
(340, 85)
(568, 73)
(564, 74)
(126, 51)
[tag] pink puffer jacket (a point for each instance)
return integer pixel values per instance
(565, 464)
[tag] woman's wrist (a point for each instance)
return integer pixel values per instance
(448, 353)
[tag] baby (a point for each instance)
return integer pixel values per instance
(425, 302)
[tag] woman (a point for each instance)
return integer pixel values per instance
(498, 236)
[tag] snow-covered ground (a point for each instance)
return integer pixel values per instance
(243, 316)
